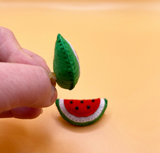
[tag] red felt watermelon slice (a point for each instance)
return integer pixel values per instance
(81, 112)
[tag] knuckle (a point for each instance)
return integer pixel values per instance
(5, 34)
(5, 31)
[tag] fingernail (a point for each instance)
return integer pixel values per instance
(41, 111)
(54, 94)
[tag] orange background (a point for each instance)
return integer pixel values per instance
(118, 45)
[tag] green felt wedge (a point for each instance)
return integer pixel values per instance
(65, 64)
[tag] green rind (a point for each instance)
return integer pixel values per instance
(82, 124)
(65, 64)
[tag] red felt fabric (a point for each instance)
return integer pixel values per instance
(79, 109)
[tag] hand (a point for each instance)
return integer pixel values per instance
(25, 86)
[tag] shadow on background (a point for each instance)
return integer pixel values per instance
(16, 138)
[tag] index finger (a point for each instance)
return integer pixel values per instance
(11, 51)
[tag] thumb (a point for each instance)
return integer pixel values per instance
(25, 86)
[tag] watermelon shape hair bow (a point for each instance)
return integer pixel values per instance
(66, 73)
(65, 64)
(81, 112)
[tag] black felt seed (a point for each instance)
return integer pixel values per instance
(76, 108)
(88, 107)
(93, 100)
(81, 101)
(71, 102)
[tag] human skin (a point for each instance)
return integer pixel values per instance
(25, 86)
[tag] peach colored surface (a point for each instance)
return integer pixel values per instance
(118, 45)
